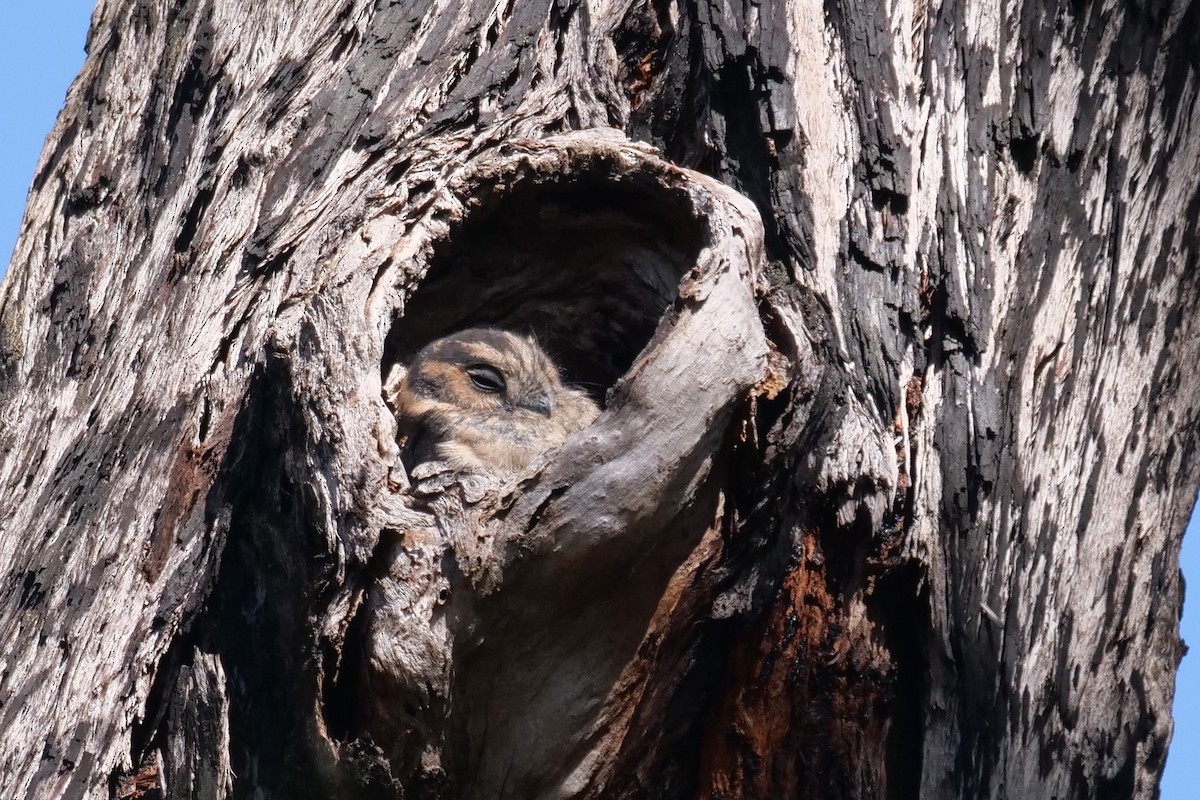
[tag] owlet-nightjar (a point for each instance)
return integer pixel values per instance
(486, 401)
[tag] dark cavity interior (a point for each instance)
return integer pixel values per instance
(588, 267)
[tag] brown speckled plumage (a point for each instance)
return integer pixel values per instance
(486, 401)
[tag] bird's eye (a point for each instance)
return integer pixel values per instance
(486, 379)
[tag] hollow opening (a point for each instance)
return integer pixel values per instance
(586, 263)
(587, 266)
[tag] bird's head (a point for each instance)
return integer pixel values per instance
(481, 370)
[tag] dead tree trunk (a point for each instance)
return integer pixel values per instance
(894, 318)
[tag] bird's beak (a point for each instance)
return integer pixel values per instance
(541, 404)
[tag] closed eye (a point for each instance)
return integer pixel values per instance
(486, 378)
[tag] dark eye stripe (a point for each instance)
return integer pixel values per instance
(486, 378)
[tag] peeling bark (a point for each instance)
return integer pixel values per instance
(892, 312)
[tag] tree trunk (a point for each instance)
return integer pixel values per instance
(892, 311)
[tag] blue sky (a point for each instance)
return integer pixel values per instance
(41, 50)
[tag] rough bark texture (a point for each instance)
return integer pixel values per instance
(894, 318)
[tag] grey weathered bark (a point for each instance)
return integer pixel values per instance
(897, 452)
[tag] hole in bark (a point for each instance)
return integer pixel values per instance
(587, 267)
(235, 686)
(896, 605)
(588, 264)
(1024, 151)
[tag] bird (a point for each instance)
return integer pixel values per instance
(486, 401)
